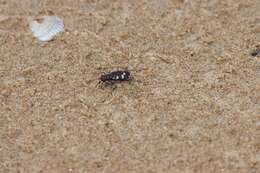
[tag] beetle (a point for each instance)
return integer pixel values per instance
(255, 53)
(115, 76)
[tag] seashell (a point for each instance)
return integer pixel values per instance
(46, 28)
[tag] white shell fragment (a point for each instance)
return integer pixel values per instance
(47, 28)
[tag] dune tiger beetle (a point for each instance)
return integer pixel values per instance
(115, 76)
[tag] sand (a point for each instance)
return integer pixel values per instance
(193, 106)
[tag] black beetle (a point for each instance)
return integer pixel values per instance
(255, 53)
(115, 76)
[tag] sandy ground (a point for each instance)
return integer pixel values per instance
(194, 105)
